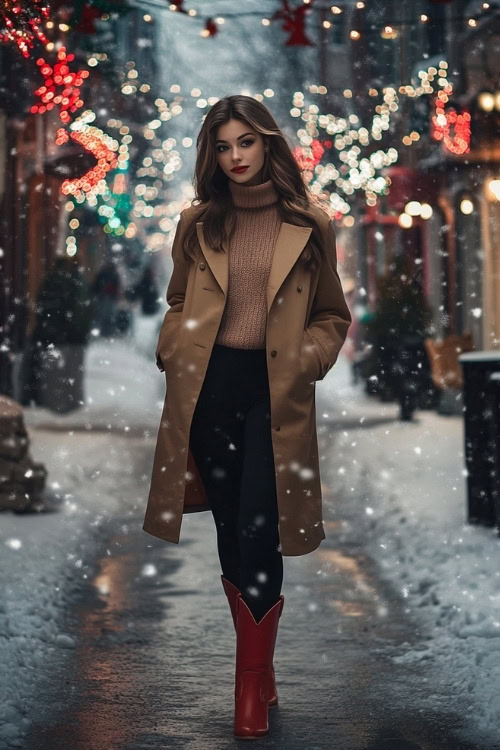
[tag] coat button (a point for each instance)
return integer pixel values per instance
(202, 266)
(274, 353)
(299, 288)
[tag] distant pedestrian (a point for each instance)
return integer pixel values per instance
(257, 316)
(147, 292)
(54, 371)
(106, 290)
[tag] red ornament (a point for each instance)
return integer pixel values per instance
(211, 27)
(86, 24)
(293, 23)
(60, 78)
(20, 23)
(179, 6)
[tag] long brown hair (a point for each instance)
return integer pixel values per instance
(212, 193)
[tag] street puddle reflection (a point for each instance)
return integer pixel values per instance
(103, 717)
(334, 560)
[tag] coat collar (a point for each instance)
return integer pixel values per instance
(289, 244)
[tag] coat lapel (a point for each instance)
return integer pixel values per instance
(289, 244)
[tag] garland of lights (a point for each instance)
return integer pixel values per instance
(344, 137)
(445, 121)
(460, 143)
(293, 19)
(352, 172)
(158, 166)
(20, 22)
(81, 15)
(345, 168)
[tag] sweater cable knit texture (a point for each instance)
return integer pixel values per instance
(250, 253)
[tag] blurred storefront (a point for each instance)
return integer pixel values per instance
(443, 207)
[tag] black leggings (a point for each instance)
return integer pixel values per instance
(230, 441)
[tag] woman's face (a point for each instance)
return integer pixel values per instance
(238, 145)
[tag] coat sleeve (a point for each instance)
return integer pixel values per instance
(176, 291)
(330, 316)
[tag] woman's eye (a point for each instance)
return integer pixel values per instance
(220, 148)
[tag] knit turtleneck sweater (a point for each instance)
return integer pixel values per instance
(250, 252)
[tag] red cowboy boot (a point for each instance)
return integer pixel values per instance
(255, 644)
(232, 592)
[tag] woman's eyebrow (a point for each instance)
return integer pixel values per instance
(238, 138)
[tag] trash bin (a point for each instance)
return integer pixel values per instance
(494, 382)
(481, 439)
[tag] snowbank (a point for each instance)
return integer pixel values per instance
(46, 558)
(408, 481)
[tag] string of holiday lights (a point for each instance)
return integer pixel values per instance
(330, 153)
(149, 206)
(136, 201)
(353, 172)
(293, 18)
(348, 171)
(81, 15)
(21, 22)
(100, 145)
(345, 168)
(62, 89)
(157, 167)
(131, 203)
(446, 122)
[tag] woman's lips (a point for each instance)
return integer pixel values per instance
(239, 169)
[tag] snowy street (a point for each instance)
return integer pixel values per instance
(312, 190)
(390, 634)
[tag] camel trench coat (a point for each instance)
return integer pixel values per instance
(307, 323)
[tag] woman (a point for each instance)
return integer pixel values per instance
(257, 315)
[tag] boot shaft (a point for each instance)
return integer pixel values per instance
(255, 642)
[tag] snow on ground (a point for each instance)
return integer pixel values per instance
(409, 482)
(123, 385)
(46, 558)
(407, 479)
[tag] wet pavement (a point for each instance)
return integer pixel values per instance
(153, 665)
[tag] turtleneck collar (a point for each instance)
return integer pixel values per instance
(253, 196)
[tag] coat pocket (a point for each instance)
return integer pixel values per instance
(167, 344)
(312, 364)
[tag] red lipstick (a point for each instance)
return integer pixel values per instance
(238, 170)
